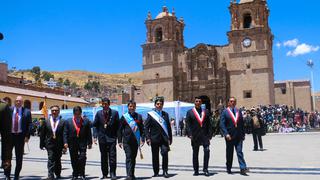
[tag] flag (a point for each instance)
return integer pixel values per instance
(44, 108)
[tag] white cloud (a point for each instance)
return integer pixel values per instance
(302, 49)
(291, 43)
(278, 45)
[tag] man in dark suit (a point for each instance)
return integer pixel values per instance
(159, 136)
(51, 139)
(20, 133)
(232, 126)
(77, 137)
(5, 133)
(131, 137)
(199, 130)
(257, 129)
(106, 125)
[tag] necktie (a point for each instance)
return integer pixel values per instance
(233, 111)
(16, 122)
(54, 122)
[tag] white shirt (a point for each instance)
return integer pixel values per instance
(14, 118)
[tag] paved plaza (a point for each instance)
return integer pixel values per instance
(287, 157)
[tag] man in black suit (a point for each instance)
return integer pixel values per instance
(232, 126)
(20, 133)
(5, 133)
(199, 130)
(131, 137)
(51, 139)
(159, 136)
(77, 137)
(106, 125)
(257, 129)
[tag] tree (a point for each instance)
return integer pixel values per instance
(73, 85)
(36, 72)
(47, 76)
(88, 86)
(66, 82)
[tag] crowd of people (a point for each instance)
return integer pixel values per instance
(284, 119)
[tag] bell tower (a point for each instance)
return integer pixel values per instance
(164, 42)
(250, 56)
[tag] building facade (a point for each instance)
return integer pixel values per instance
(243, 68)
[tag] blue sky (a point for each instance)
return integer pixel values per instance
(106, 36)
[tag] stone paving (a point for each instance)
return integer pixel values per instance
(293, 156)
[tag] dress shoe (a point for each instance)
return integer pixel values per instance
(83, 178)
(255, 150)
(8, 178)
(155, 175)
(243, 172)
(58, 176)
(196, 173)
(165, 174)
(49, 178)
(128, 178)
(206, 173)
(103, 177)
(229, 171)
(113, 176)
(74, 177)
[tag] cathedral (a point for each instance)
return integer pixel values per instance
(243, 68)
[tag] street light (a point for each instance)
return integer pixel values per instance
(311, 64)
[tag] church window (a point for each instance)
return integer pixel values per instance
(247, 21)
(283, 90)
(158, 34)
(247, 94)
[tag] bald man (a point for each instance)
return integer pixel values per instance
(19, 127)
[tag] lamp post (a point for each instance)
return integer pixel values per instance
(311, 64)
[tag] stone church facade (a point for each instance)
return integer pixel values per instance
(243, 68)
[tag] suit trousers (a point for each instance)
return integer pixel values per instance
(257, 138)
(195, 158)
(155, 157)
(108, 156)
(54, 161)
(231, 145)
(18, 145)
(131, 151)
(78, 156)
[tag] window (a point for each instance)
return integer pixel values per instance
(283, 90)
(247, 94)
(247, 20)
(159, 34)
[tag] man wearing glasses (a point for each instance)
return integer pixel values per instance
(106, 125)
(232, 126)
(20, 130)
(51, 139)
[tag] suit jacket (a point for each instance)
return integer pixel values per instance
(70, 134)
(5, 120)
(110, 133)
(46, 135)
(5, 130)
(154, 131)
(26, 121)
(126, 135)
(227, 126)
(200, 135)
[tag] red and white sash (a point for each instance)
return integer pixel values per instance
(197, 115)
(76, 126)
(234, 118)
